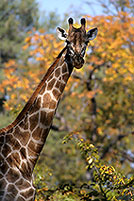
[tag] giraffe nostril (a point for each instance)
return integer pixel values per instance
(78, 53)
(79, 57)
(78, 60)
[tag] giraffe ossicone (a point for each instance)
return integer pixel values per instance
(22, 141)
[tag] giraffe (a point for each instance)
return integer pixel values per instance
(22, 141)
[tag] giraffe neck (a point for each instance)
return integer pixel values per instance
(22, 143)
(37, 121)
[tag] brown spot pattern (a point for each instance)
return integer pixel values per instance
(50, 77)
(43, 89)
(25, 170)
(24, 138)
(4, 167)
(22, 184)
(51, 84)
(24, 124)
(12, 175)
(36, 106)
(57, 72)
(62, 86)
(34, 147)
(9, 197)
(21, 136)
(1, 176)
(50, 117)
(20, 199)
(46, 100)
(3, 184)
(23, 153)
(65, 77)
(64, 69)
(12, 189)
(6, 150)
(53, 105)
(56, 94)
(28, 194)
(16, 158)
(45, 133)
(46, 118)
(43, 116)
(2, 139)
(33, 121)
(57, 84)
(37, 133)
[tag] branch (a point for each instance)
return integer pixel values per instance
(90, 77)
(64, 127)
(111, 144)
(128, 156)
(76, 76)
(93, 99)
(125, 185)
(60, 129)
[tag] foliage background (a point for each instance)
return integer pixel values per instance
(89, 152)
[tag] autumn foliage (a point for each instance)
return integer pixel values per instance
(96, 111)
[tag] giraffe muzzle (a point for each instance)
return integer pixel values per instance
(78, 61)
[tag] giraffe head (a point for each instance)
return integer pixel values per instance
(77, 40)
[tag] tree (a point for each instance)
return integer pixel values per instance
(16, 18)
(49, 21)
(113, 7)
(98, 103)
(96, 111)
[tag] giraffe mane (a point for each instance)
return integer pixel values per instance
(34, 95)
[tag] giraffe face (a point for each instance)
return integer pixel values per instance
(77, 40)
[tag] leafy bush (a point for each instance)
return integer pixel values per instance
(105, 183)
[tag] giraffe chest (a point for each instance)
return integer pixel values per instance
(15, 175)
(14, 187)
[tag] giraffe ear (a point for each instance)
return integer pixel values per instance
(91, 34)
(62, 35)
